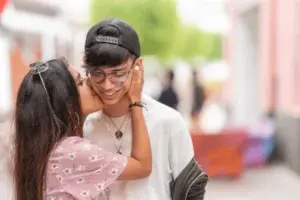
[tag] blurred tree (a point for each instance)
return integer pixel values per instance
(216, 50)
(160, 31)
(192, 43)
(155, 21)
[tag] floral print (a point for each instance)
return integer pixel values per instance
(79, 170)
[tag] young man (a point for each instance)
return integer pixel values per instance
(112, 49)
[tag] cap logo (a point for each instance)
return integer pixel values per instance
(107, 39)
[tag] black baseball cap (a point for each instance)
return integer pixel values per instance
(127, 39)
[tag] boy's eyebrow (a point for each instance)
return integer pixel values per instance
(114, 69)
(119, 69)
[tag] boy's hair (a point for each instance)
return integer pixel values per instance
(110, 43)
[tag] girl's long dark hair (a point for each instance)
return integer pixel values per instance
(43, 116)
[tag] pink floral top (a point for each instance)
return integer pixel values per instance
(79, 170)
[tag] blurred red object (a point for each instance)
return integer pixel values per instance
(2, 5)
(221, 154)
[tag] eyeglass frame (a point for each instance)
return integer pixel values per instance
(108, 75)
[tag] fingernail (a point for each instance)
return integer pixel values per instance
(137, 67)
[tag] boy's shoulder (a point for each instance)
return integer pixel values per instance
(160, 112)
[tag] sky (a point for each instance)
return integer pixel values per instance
(209, 15)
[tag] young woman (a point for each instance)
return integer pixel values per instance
(52, 161)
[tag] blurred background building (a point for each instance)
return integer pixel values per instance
(262, 48)
(245, 57)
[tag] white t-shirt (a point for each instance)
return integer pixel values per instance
(171, 144)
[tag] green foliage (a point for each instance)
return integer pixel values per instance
(160, 31)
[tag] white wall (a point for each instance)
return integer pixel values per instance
(5, 107)
(246, 99)
(5, 77)
(48, 46)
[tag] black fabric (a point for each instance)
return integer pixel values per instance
(190, 184)
(128, 38)
(169, 97)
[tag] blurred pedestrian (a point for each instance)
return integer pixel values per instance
(168, 95)
(198, 100)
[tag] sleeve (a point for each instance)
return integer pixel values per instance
(89, 124)
(86, 170)
(181, 150)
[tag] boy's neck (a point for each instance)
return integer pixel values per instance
(117, 110)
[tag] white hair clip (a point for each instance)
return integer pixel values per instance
(39, 67)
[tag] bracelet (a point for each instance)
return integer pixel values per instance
(138, 103)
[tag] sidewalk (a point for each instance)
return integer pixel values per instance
(270, 183)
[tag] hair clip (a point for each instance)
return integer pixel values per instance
(39, 67)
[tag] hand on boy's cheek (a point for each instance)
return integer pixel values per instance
(95, 103)
(127, 84)
(89, 84)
